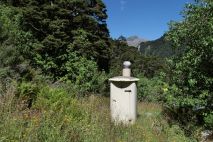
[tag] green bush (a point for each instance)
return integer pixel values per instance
(83, 75)
(55, 97)
(27, 93)
(190, 95)
(151, 90)
(208, 119)
(16, 47)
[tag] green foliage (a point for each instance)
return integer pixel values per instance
(61, 27)
(208, 119)
(15, 45)
(53, 98)
(65, 52)
(192, 71)
(27, 93)
(83, 74)
(160, 47)
(151, 90)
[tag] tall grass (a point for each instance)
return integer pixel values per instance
(57, 116)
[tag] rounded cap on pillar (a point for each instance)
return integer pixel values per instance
(127, 64)
(126, 69)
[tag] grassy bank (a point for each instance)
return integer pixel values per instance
(58, 116)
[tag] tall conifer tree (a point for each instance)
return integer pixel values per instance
(64, 26)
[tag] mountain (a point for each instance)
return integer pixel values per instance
(159, 47)
(134, 41)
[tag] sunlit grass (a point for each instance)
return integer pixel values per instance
(86, 119)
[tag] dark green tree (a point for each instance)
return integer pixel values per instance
(15, 45)
(62, 27)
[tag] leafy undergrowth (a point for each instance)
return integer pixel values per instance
(57, 116)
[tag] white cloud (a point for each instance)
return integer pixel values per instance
(122, 3)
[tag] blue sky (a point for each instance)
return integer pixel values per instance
(145, 18)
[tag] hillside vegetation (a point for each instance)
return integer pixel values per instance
(159, 47)
(58, 116)
(55, 61)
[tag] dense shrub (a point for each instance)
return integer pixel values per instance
(191, 93)
(27, 93)
(208, 119)
(16, 46)
(83, 74)
(151, 90)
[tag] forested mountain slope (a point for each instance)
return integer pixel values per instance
(159, 47)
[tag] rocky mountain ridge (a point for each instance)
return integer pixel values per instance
(134, 41)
